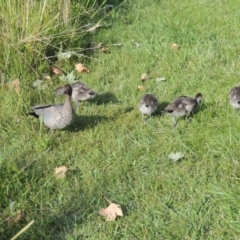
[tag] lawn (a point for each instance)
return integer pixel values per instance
(109, 151)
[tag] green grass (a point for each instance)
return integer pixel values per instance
(110, 152)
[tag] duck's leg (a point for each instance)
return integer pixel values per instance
(174, 123)
(190, 119)
(78, 105)
(147, 118)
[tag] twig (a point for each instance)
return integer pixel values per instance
(22, 230)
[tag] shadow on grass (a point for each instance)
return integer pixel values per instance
(160, 109)
(203, 107)
(83, 122)
(74, 214)
(105, 98)
(128, 109)
(61, 225)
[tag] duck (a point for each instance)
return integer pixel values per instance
(183, 106)
(234, 97)
(56, 116)
(81, 92)
(148, 104)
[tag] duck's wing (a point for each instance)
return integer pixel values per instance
(177, 104)
(181, 106)
(185, 101)
(47, 109)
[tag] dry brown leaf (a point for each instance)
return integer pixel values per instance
(57, 71)
(111, 212)
(141, 88)
(104, 50)
(16, 85)
(175, 46)
(17, 218)
(136, 44)
(61, 171)
(47, 77)
(144, 77)
(94, 46)
(80, 68)
(93, 28)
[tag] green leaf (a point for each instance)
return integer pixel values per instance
(39, 84)
(69, 78)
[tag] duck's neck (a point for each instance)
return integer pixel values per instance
(68, 103)
(198, 101)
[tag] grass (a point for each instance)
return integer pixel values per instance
(110, 152)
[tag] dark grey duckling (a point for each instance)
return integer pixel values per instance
(148, 104)
(183, 106)
(234, 97)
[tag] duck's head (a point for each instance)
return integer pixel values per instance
(66, 90)
(198, 97)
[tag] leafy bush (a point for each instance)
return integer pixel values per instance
(32, 31)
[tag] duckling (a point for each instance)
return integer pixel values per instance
(234, 97)
(81, 92)
(148, 104)
(183, 106)
(58, 116)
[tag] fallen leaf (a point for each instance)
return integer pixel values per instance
(17, 218)
(47, 77)
(80, 68)
(16, 85)
(111, 212)
(91, 27)
(61, 171)
(144, 77)
(104, 50)
(175, 156)
(93, 46)
(161, 79)
(57, 71)
(141, 88)
(136, 44)
(175, 46)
